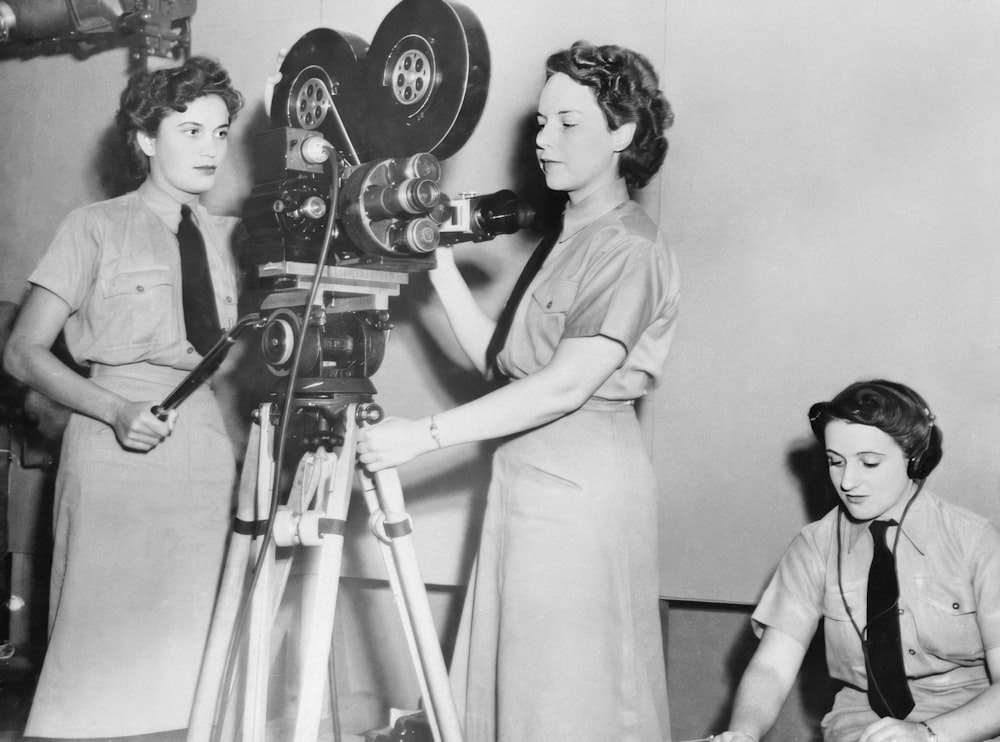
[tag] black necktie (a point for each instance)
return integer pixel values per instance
(201, 318)
(888, 692)
(528, 273)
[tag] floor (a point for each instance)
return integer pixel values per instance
(701, 681)
(18, 674)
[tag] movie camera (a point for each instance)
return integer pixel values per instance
(347, 187)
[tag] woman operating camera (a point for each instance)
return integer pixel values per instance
(561, 636)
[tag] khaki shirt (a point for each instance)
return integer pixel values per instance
(117, 265)
(613, 276)
(948, 566)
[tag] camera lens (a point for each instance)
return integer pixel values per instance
(413, 196)
(419, 235)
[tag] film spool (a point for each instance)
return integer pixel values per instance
(427, 76)
(321, 88)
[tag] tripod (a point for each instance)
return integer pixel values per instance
(313, 520)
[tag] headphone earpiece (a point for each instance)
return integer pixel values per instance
(921, 465)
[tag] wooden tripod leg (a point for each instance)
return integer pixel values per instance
(318, 611)
(209, 693)
(377, 525)
(415, 607)
(258, 645)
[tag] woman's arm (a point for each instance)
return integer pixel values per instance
(29, 358)
(977, 720)
(472, 328)
(576, 371)
(764, 686)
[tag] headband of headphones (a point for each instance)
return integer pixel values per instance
(896, 410)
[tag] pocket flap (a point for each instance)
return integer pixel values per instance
(137, 282)
(556, 295)
(952, 597)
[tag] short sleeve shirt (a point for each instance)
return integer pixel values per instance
(948, 566)
(613, 277)
(116, 264)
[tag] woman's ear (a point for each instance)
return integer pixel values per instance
(146, 143)
(623, 136)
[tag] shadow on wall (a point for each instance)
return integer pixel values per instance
(708, 648)
(110, 166)
(807, 462)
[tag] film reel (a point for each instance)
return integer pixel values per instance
(427, 75)
(321, 88)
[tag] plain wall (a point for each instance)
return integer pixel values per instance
(832, 194)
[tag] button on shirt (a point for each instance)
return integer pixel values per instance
(948, 565)
(116, 264)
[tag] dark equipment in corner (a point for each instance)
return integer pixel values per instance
(150, 28)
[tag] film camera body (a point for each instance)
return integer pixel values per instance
(347, 187)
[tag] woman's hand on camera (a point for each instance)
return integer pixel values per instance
(273, 79)
(888, 728)
(393, 442)
(138, 429)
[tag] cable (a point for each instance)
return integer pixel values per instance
(239, 631)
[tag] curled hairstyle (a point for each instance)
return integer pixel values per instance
(893, 408)
(627, 90)
(150, 96)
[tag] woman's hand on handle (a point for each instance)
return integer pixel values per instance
(138, 429)
(393, 442)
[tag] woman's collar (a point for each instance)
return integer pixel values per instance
(597, 204)
(162, 203)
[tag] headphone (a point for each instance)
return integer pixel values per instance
(926, 456)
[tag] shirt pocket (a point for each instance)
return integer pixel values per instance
(844, 610)
(550, 301)
(138, 308)
(946, 618)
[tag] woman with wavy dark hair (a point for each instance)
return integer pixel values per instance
(561, 637)
(905, 584)
(142, 504)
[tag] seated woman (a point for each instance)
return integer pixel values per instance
(907, 586)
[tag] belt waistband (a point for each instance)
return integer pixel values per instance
(144, 371)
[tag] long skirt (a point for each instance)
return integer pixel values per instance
(560, 637)
(139, 544)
